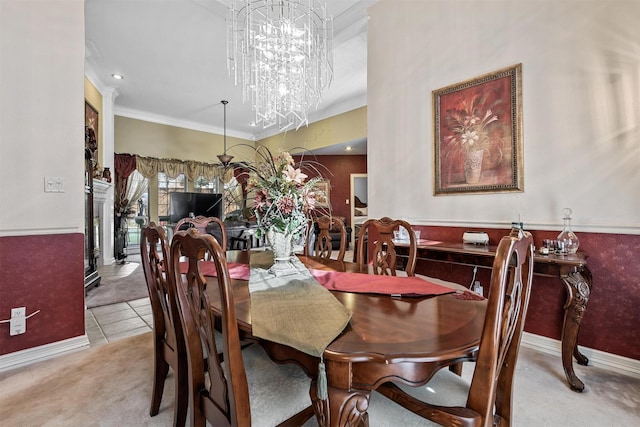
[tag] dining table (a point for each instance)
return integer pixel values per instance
(388, 338)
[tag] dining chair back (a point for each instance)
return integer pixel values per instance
(202, 223)
(220, 390)
(169, 347)
(489, 401)
(382, 256)
(323, 246)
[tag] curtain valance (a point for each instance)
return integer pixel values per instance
(149, 167)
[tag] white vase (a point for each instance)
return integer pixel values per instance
(473, 166)
(282, 247)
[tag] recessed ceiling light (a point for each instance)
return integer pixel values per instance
(252, 124)
(117, 76)
(349, 148)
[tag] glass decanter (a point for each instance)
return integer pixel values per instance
(567, 236)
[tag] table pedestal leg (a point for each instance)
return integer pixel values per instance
(342, 408)
(578, 291)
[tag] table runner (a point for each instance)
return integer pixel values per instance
(377, 284)
(349, 282)
(293, 310)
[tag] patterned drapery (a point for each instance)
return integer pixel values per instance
(151, 166)
(124, 165)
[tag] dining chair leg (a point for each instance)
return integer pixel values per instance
(181, 394)
(160, 371)
(456, 369)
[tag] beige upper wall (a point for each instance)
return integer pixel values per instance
(42, 119)
(581, 108)
(344, 127)
(144, 138)
(170, 142)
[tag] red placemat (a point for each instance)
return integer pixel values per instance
(378, 284)
(208, 268)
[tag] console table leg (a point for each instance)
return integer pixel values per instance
(578, 291)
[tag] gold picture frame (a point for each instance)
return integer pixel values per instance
(478, 135)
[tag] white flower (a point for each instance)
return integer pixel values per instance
(294, 175)
(470, 137)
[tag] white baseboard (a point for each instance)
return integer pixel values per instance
(597, 358)
(601, 359)
(38, 354)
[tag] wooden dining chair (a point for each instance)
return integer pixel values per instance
(383, 258)
(169, 347)
(489, 401)
(202, 223)
(248, 389)
(323, 245)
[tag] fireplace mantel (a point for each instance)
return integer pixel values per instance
(103, 192)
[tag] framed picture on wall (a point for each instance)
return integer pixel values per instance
(91, 130)
(323, 195)
(478, 134)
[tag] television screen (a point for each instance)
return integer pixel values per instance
(182, 205)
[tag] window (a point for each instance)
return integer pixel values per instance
(202, 185)
(233, 198)
(231, 193)
(168, 185)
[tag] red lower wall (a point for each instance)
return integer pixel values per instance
(46, 273)
(610, 323)
(43, 273)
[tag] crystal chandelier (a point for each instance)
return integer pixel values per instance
(280, 51)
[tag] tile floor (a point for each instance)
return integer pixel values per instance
(111, 322)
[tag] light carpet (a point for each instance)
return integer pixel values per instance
(110, 385)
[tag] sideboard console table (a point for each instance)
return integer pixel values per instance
(571, 269)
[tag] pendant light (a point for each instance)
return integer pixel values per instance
(224, 158)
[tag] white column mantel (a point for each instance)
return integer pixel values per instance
(103, 207)
(109, 94)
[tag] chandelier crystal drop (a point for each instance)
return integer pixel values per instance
(281, 53)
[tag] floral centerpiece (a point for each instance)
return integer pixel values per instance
(284, 200)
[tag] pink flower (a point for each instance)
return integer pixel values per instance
(261, 200)
(308, 199)
(285, 205)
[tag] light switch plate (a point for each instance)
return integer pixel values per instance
(53, 184)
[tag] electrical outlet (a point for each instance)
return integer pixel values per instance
(18, 323)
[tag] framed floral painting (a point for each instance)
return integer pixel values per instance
(478, 134)
(323, 196)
